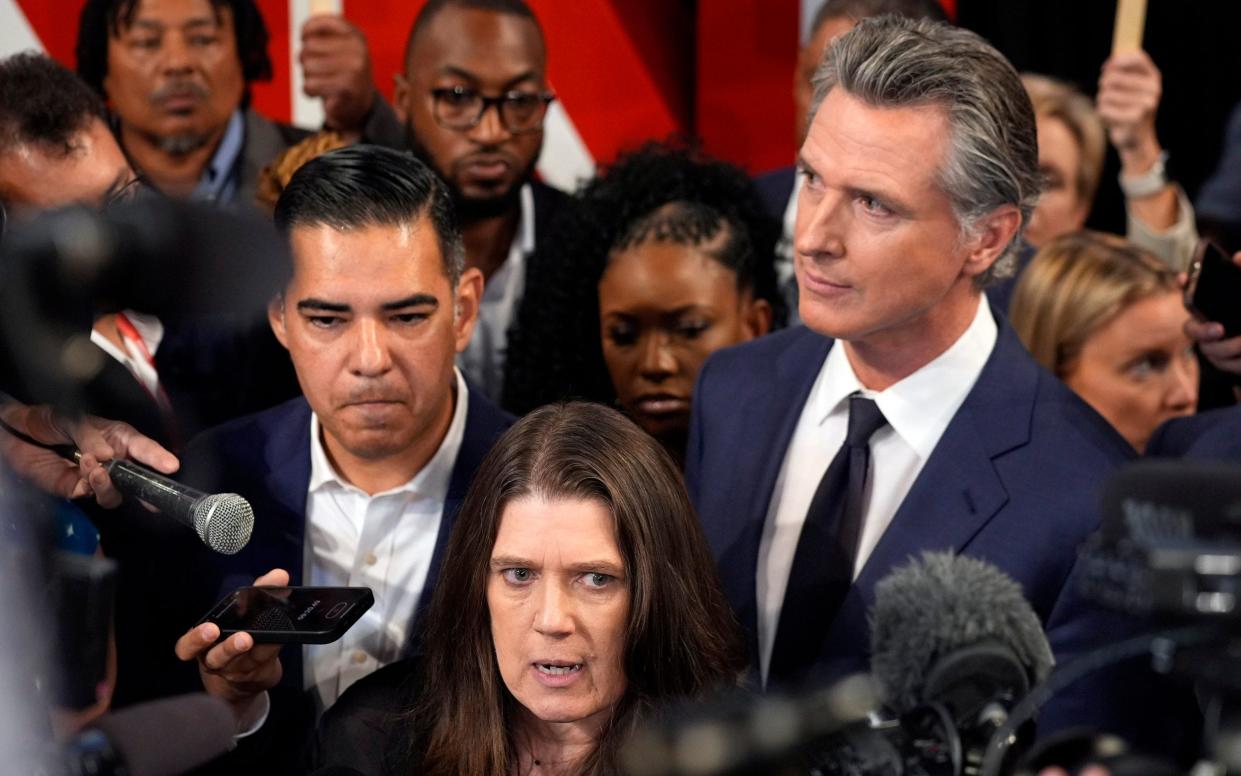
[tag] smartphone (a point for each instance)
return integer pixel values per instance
(1213, 292)
(290, 615)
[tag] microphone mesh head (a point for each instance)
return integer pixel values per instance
(224, 521)
(939, 604)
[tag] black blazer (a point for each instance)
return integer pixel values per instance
(368, 729)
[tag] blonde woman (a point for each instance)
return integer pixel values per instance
(1106, 317)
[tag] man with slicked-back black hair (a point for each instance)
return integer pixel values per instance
(358, 481)
(470, 102)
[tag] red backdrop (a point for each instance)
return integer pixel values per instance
(625, 70)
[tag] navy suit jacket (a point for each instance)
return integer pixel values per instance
(1214, 435)
(1013, 481)
(775, 188)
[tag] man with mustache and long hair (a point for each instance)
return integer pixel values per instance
(176, 76)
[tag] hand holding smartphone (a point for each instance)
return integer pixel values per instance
(290, 615)
(1213, 292)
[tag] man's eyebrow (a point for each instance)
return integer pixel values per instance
(529, 75)
(459, 72)
(322, 306)
(414, 300)
(891, 198)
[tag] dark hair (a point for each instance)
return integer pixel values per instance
(103, 19)
(43, 104)
(858, 10)
(367, 185)
(681, 638)
(664, 191)
(433, 8)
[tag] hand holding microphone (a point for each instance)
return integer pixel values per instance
(73, 457)
(33, 431)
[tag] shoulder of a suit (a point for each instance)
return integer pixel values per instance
(764, 352)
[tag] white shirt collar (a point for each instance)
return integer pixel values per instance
(524, 239)
(508, 282)
(431, 481)
(920, 406)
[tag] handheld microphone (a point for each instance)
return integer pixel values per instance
(223, 521)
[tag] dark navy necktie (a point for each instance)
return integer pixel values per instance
(822, 568)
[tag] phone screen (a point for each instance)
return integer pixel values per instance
(1214, 289)
(310, 615)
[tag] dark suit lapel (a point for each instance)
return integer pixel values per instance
(776, 407)
(958, 491)
(796, 371)
(261, 145)
(483, 424)
(287, 455)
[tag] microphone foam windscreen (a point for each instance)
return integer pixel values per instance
(171, 735)
(942, 603)
(224, 522)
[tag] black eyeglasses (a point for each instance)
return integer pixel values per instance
(134, 189)
(461, 108)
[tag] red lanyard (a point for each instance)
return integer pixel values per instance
(136, 345)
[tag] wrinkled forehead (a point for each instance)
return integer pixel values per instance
(369, 260)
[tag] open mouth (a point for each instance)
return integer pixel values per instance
(554, 669)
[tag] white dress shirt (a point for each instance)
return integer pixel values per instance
(383, 542)
(483, 358)
(918, 410)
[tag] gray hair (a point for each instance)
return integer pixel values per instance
(993, 155)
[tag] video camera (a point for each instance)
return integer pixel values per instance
(1169, 550)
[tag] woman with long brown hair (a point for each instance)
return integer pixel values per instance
(577, 594)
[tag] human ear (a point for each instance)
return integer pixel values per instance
(399, 96)
(275, 317)
(756, 317)
(990, 238)
(465, 306)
